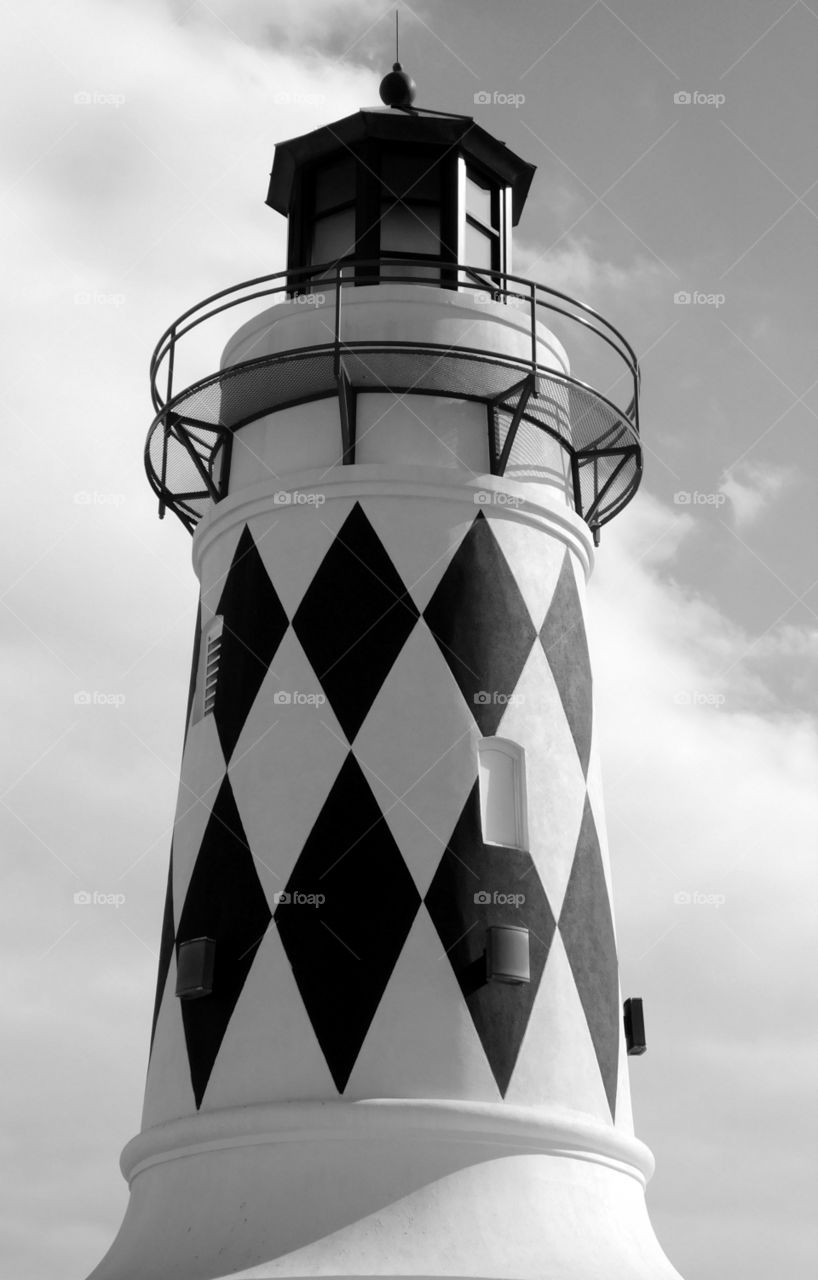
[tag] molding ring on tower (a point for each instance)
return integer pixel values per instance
(533, 506)
(568, 1135)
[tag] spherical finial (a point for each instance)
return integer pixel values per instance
(397, 88)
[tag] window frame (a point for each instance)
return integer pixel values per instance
(516, 753)
(498, 232)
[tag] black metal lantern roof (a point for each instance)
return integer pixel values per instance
(410, 125)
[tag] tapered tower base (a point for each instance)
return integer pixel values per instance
(321, 1189)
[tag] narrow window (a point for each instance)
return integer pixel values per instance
(502, 793)
(483, 239)
(209, 676)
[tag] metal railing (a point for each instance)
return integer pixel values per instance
(181, 422)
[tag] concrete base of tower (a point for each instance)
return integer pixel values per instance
(386, 1189)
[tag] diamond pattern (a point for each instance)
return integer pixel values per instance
(254, 624)
(165, 947)
(354, 620)
(555, 786)
(226, 902)
(586, 928)
(566, 647)
(343, 950)
(284, 764)
(480, 621)
(421, 775)
(470, 868)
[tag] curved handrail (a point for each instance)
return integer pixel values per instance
(293, 281)
(181, 430)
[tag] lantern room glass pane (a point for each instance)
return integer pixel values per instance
(411, 229)
(333, 237)
(480, 202)
(480, 247)
(335, 184)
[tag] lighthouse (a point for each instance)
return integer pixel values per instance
(389, 1038)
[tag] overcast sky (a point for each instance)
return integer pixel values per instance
(122, 210)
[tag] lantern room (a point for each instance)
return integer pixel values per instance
(348, 358)
(420, 187)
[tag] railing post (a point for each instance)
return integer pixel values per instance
(532, 287)
(171, 354)
(164, 476)
(337, 335)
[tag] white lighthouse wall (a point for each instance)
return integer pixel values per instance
(294, 439)
(396, 313)
(409, 428)
(307, 1191)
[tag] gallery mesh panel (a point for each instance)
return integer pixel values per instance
(202, 416)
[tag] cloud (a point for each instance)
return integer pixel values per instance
(710, 796)
(578, 267)
(752, 487)
(297, 27)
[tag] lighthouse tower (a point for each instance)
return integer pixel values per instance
(388, 1038)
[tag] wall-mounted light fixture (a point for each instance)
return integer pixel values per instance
(634, 1026)
(194, 968)
(507, 954)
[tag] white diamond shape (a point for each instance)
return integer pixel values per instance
(292, 541)
(200, 778)
(534, 557)
(216, 564)
(284, 765)
(555, 788)
(269, 1052)
(418, 742)
(420, 537)
(557, 1064)
(422, 1042)
(168, 1091)
(595, 796)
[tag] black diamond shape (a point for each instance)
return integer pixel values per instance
(479, 619)
(586, 928)
(471, 868)
(566, 648)
(254, 626)
(343, 951)
(165, 949)
(225, 901)
(354, 620)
